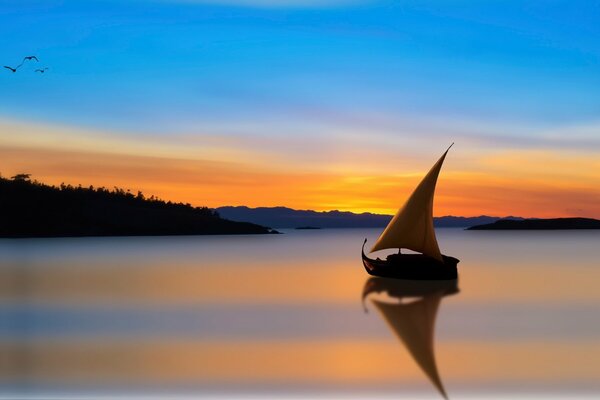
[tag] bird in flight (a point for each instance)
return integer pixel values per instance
(41, 70)
(28, 58)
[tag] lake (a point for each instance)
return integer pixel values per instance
(281, 315)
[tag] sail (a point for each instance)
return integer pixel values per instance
(414, 325)
(412, 226)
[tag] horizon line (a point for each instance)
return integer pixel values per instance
(391, 215)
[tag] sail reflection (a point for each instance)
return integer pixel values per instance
(411, 313)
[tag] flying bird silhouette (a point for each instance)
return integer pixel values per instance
(42, 70)
(28, 58)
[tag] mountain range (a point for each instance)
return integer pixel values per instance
(283, 217)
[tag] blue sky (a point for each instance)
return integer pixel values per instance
(166, 66)
(308, 102)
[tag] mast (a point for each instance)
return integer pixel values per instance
(412, 226)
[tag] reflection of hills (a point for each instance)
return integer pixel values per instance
(412, 317)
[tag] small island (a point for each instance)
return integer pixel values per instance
(31, 209)
(540, 224)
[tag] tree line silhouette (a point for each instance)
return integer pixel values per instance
(29, 208)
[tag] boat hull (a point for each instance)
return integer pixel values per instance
(412, 267)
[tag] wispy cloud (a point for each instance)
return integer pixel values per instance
(273, 3)
(332, 172)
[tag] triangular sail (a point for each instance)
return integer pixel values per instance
(414, 324)
(412, 226)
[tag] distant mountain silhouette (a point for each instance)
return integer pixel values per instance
(32, 209)
(541, 224)
(283, 217)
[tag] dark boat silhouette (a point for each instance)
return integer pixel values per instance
(412, 228)
(411, 316)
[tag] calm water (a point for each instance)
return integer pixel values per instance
(282, 314)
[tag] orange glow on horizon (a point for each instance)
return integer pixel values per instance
(529, 183)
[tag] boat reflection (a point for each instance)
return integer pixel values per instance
(410, 311)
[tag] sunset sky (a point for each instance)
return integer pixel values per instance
(310, 104)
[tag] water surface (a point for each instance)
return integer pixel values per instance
(282, 314)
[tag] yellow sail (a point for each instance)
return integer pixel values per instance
(412, 226)
(414, 324)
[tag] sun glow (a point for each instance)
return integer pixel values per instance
(540, 183)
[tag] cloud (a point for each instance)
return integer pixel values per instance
(273, 3)
(310, 172)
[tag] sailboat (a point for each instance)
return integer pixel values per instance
(412, 317)
(412, 228)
